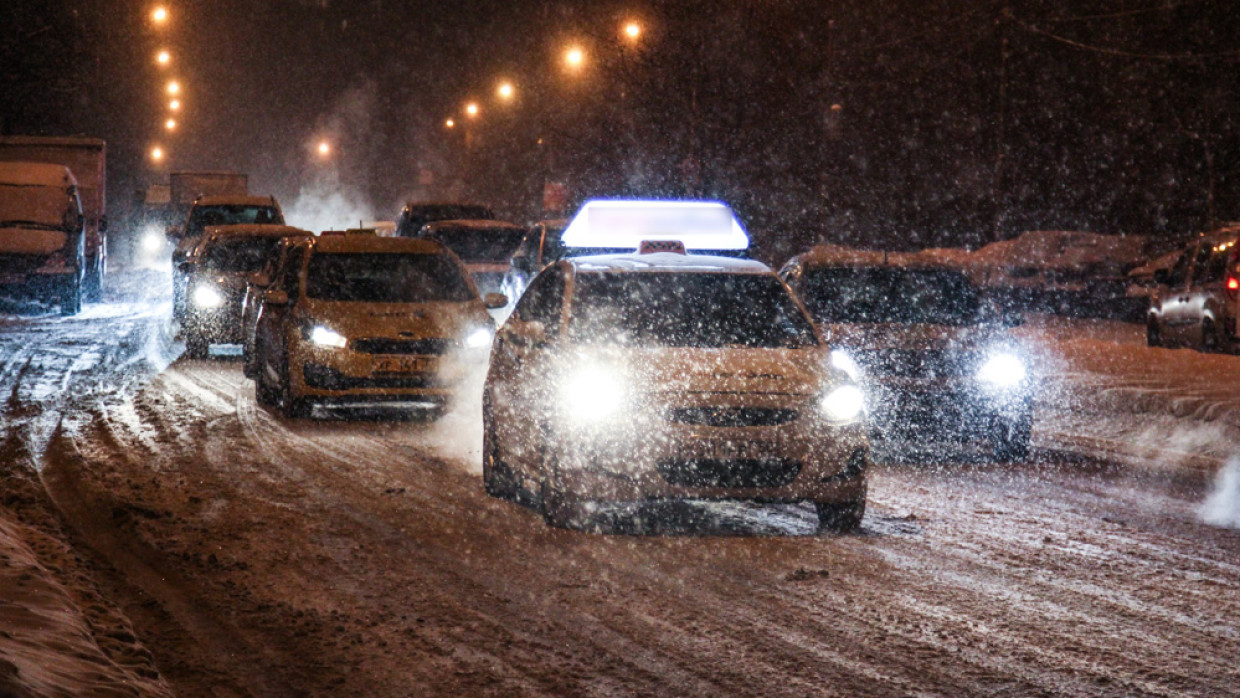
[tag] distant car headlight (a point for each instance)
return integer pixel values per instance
(844, 404)
(207, 297)
(327, 337)
(1002, 370)
(479, 338)
(844, 361)
(593, 394)
(152, 242)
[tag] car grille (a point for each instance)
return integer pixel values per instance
(731, 416)
(739, 472)
(327, 378)
(911, 363)
(438, 345)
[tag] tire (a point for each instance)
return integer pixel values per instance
(264, 393)
(841, 517)
(1153, 334)
(94, 282)
(71, 297)
(292, 406)
(496, 477)
(1212, 340)
(1012, 439)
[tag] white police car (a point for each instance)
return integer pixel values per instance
(658, 375)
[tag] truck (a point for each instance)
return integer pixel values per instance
(86, 158)
(42, 232)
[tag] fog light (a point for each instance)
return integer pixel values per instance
(327, 337)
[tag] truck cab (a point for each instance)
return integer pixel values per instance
(42, 232)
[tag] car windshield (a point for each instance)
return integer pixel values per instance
(480, 244)
(230, 214)
(890, 295)
(386, 278)
(238, 254)
(686, 310)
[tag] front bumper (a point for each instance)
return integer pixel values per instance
(942, 414)
(345, 375)
(678, 451)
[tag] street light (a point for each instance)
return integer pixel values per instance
(173, 87)
(472, 109)
(574, 57)
(159, 15)
(325, 149)
(632, 31)
(175, 105)
(171, 124)
(505, 90)
(450, 123)
(157, 154)
(163, 58)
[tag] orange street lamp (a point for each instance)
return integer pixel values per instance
(171, 124)
(472, 109)
(173, 87)
(175, 105)
(159, 15)
(505, 90)
(574, 57)
(632, 31)
(163, 58)
(450, 123)
(157, 154)
(324, 149)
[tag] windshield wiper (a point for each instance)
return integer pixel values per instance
(28, 224)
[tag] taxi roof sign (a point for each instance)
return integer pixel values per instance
(699, 225)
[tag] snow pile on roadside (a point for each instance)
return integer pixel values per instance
(1222, 507)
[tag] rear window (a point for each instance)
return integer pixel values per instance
(890, 295)
(386, 278)
(687, 310)
(480, 244)
(204, 216)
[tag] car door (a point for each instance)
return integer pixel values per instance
(1205, 296)
(269, 331)
(1174, 304)
(522, 388)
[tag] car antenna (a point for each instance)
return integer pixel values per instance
(884, 258)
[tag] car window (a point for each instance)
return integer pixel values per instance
(291, 271)
(889, 295)
(203, 216)
(386, 278)
(1199, 262)
(678, 309)
(479, 244)
(238, 254)
(542, 301)
(1216, 267)
(1179, 272)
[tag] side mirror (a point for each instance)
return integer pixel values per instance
(275, 297)
(260, 279)
(494, 300)
(1162, 277)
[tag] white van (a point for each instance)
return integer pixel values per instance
(42, 232)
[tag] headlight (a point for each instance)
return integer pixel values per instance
(207, 296)
(152, 242)
(843, 361)
(1002, 371)
(327, 337)
(479, 338)
(844, 404)
(593, 394)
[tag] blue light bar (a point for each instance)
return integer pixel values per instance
(700, 225)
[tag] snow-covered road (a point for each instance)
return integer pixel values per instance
(254, 555)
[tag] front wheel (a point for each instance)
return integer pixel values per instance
(1153, 334)
(496, 477)
(841, 517)
(71, 297)
(292, 405)
(94, 282)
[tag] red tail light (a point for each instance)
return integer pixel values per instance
(1233, 285)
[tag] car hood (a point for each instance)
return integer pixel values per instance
(869, 336)
(716, 370)
(400, 320)
(19, 240)
(232, 283)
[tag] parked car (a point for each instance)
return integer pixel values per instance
(653, 377)
(485, 246)
(358, 318)
(209, 211)
(42, 233)
(217, 272)
(935, 360)
(417, 214)
(1198, 299)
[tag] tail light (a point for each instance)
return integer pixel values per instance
(1233, 286)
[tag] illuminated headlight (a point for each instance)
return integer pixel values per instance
(327, 337)
(479, 338)
(591, 395)
(841, 360)
(1002, 371)
(152, 242)
(844, 404)
(207, 297)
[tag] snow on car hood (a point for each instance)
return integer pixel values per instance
(22, 240)
(400, 320)
(721, 370)
(909, 335)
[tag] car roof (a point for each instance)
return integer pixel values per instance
(364, 243)
(666, 261)
(471, 224)
(838, 256)
(37, 174)
(255, 230)
(234, 200)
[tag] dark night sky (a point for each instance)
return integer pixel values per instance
(1113, 115)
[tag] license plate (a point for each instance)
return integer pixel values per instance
(404, 364)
